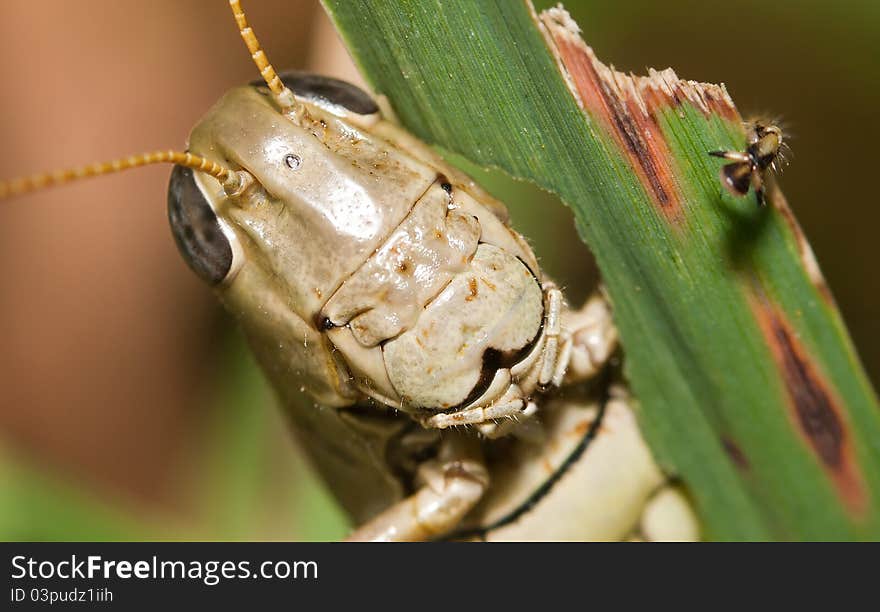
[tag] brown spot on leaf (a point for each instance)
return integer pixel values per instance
(627, 106)
(603, 100)
(814, 407)
(735, 453)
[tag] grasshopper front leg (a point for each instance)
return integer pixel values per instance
(588, 337)
(449, 487)
(668, 517)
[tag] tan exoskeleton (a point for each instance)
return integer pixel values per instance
(370, 274)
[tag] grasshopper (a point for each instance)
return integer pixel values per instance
(438, 380)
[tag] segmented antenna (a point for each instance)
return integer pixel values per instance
(283, 96)
(230, 179)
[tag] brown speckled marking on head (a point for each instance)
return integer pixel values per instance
(627, 105)
(472, 290)
(808, 259)
(815, 408)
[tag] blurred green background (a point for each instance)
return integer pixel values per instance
(131, 409)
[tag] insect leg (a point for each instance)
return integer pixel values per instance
(668, 517)
(508, 405)
(588, 339)
(498, 428)
(737, 156)
(552, 331)
(758, 186)
(449, 487)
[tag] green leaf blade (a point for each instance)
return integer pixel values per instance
(750, 389)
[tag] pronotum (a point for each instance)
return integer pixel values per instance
(387, 286)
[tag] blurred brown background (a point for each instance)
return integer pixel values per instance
(130, 409)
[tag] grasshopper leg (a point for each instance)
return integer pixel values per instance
(588, 338)
(668, 517)
(450, 486)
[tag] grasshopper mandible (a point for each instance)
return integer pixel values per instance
(390, 288)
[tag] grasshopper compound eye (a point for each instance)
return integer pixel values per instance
(337, 97)
(206, 246)
(332, 94)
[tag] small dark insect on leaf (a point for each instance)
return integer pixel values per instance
(749, 168)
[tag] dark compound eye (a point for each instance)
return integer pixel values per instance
(328, 90)
(196, 229)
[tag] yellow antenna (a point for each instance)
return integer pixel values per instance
(283, 96)
(231, 180)
(234, 182)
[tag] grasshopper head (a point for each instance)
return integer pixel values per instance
(322, 193)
